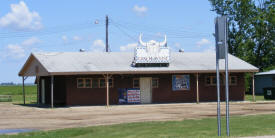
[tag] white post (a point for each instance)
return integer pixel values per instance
(107, 83)
(24, 97)
(37, 79)
(197, 76)
(52, 82)
(253, 88)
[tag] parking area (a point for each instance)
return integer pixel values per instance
(26, 117)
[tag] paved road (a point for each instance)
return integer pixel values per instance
(24, 117)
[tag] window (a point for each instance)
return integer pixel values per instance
(102, 83)
(155, 82)
(80, 83)
(111, 83)
(136, 83)
(214, 80)
(84, 83)
(93, 83)
(233, 80)
(208, 80)
(211, 80)
(88, 83)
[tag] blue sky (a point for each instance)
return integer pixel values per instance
(63, 25)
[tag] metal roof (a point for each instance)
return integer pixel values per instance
(267, 72)
(65, 63)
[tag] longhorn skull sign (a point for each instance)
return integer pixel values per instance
(153, 42)
(152, 51)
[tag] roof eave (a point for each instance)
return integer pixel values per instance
(148, 72)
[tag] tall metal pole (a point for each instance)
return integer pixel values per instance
(226, 81)
(218, 95)
(24, 97)
(107, 24)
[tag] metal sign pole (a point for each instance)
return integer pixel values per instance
(222, 53)
(218, 96)
(226, 77)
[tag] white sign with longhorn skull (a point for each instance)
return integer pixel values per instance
(152, 51)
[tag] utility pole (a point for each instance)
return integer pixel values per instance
(107, 24)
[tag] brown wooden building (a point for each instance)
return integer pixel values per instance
(80, 78)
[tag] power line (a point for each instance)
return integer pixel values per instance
(52, 30)
(174, 30)
(151, 32)
(124, 32)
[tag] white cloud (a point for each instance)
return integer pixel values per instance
(67, 39)
(140, 10)
(30, 41)
(64, 38)
(76, 38)
(98, 46)
(203, 42)
(21, 18)
(176, 46)
(128, 47)
(15, 51)
(98, 43)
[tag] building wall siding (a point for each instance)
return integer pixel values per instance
(162, 94)
(209, 93)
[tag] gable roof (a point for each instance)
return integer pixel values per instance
(69, 63)
(267, 72)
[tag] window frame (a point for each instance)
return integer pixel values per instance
(134, 83)
(236, 80)
(95, 79)
(90, 82)
(111, 86)
(211, 80)
(99, 86)
(157, 79)
(83, 81)
(222, 80)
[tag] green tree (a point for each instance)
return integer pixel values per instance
(251, 29)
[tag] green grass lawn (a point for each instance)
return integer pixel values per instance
(239, 125)
(16, 93)
(249, 97)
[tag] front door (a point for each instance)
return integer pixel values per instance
(146, 90)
